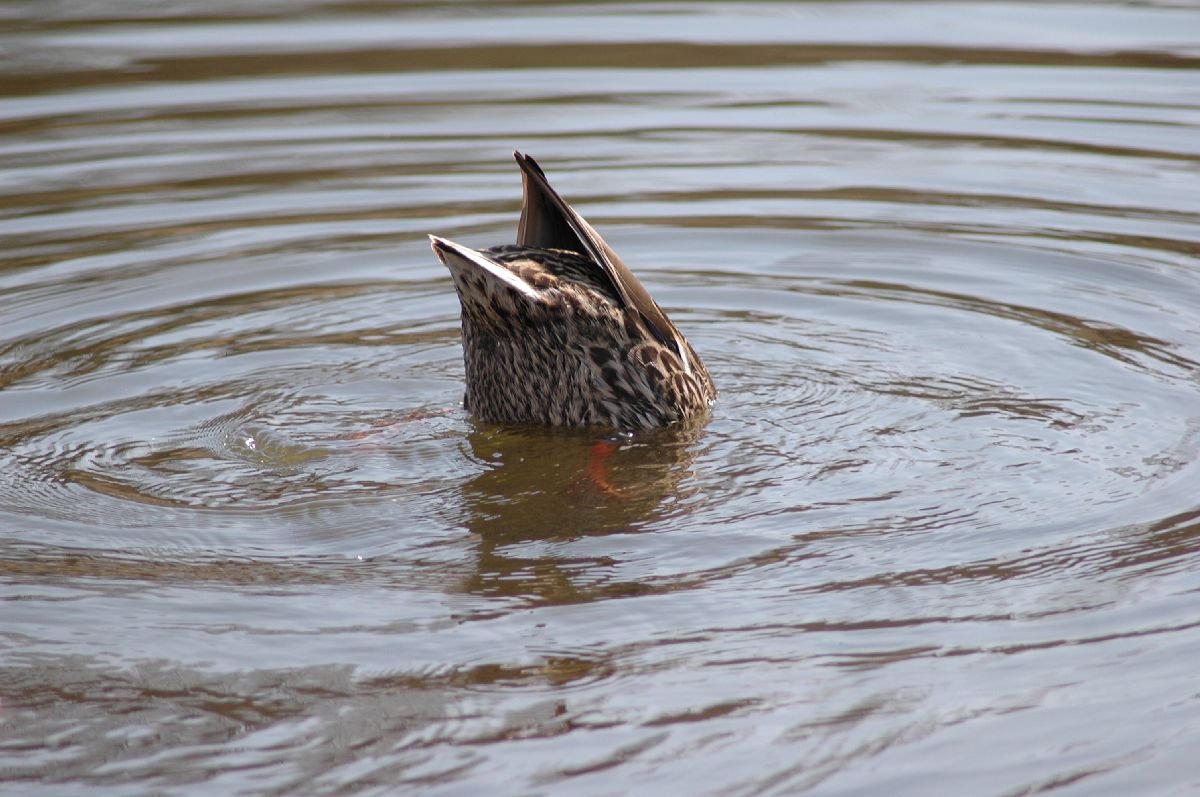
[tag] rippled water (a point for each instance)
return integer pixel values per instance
(939, 536)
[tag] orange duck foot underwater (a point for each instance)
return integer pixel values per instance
(556, 330)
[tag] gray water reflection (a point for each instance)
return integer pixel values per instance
(937, 537)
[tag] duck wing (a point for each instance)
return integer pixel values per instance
(548, 222)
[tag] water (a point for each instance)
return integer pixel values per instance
(938, 537)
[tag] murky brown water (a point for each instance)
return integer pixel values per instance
(939, 537)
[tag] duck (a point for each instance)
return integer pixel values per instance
(557, 331)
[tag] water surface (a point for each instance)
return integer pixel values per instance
(938, 536)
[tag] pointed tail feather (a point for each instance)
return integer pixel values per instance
(464, 260)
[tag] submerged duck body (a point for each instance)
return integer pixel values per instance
(557, 330)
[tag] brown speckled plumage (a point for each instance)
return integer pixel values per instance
(557, 330)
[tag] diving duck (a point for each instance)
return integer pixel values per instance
(556, 329)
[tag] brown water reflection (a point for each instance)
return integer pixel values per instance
(542, 488)
(656, 55)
